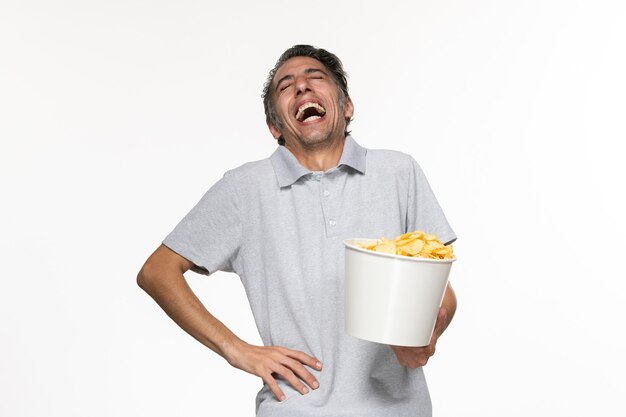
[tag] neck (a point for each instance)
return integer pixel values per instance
(318, 158)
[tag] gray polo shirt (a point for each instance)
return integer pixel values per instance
(280, 227)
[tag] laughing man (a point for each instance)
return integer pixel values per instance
(296, 207)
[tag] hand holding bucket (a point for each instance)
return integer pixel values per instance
(392, 299)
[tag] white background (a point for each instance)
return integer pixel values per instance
(116, 116)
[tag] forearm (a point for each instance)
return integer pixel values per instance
(168, 287)
(449, 303)
(162, 278)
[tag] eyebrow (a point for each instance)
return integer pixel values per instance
(306, 71)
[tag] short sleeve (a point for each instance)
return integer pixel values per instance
(423, 211)
(210, 234)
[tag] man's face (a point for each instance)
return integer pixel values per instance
(307, 103)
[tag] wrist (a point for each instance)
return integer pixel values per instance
(232, 350)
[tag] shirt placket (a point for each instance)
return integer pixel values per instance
(328, 200)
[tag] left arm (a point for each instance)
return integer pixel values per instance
(414, 357)
(449, 303)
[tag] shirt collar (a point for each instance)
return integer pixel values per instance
(288, 170)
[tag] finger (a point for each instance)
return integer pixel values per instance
(304, 358)
(430, 351)
(409, 356)
(290, 377)
(419, 356)
(299, 369)
(422, 353)
(415, 362)
(274, 387)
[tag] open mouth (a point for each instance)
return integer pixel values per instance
(309, 112)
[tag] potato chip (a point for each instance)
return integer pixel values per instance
(386, 248)
(414, 244)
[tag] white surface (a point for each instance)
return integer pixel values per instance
(392, 299)
(116, 116)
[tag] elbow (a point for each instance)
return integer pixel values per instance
(141, 279)
(145, 277)
(161, 267)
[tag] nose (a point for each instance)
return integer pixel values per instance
(302, 85)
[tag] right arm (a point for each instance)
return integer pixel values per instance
(162, 278)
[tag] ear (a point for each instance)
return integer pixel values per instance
(348, 110)
(274, 130)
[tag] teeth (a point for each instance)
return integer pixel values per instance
(311, 118)
(308, 105)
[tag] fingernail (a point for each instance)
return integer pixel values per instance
(282, 398)
(305, 390)
(316, 385)
(318, 364)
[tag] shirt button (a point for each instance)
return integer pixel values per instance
(332, 222)
(326, 193)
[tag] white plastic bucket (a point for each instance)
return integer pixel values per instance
(392, 299)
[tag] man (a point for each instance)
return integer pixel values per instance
(279, 224)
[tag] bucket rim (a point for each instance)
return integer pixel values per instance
(350, 244)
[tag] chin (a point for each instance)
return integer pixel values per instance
(315, 140)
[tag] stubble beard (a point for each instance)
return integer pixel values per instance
(316, 141)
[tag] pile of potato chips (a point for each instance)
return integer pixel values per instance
(415, 244)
